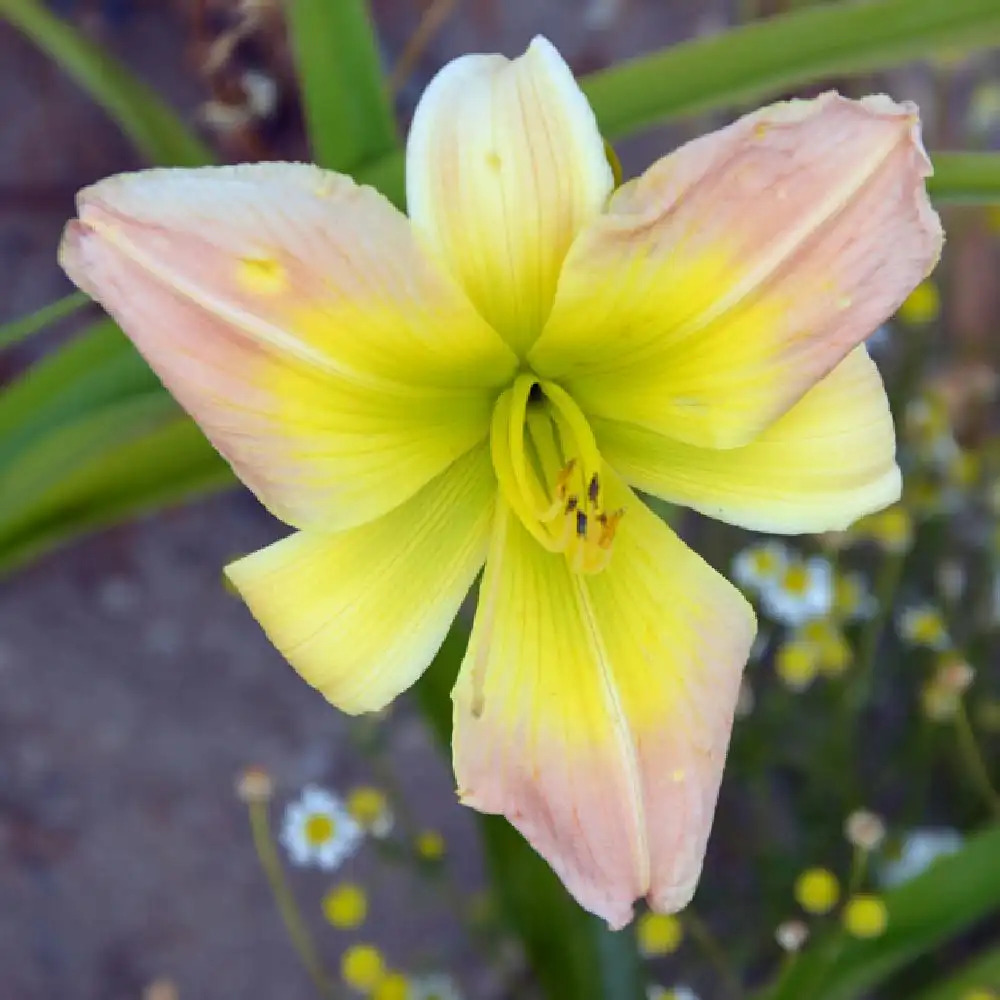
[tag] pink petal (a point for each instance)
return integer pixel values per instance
(594, 712)
(737, 272)
(292, 315)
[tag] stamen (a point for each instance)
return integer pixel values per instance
(593, 490)
(609, 525)
(550, 472)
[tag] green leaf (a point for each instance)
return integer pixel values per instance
(154, 128)
(88, 437)
(119, 461)
(982, 972)
(767, 58)
(98, 367)
(947, 899)
(348, 112)
(572, 953)
(972, 178)
(22, 328)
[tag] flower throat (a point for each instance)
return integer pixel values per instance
(550, 472)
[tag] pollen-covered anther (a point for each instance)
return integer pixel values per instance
(589, 530)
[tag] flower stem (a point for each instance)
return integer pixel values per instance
(885, 592)
(291, 915)
(859, 865)
(975, 767)
(430, 23)
(714, 952)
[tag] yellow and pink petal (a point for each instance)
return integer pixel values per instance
(735, 273)
(594, 712)
(819, 467)
(361, 613)
(504, 166)
(292, 314)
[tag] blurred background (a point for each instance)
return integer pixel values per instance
(134, 689)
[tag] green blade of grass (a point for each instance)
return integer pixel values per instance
(765, 58)
(20, 329)
(153, 127)
(97, 368)
(347, 109)
(110, 465)
(966, 178)
(982, 973)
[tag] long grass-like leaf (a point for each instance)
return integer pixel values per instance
(982, 973)
(966, 178)
(115, 463)
(20, 329)
(348, 111)
(154, 128)
(766, 58)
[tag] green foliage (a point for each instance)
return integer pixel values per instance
(87, 438)
(348, 112)
(948, 898)
(767, 58)
(22, 328)
(969, 178)
(982, 972)
(148, 121)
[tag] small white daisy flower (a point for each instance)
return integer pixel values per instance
(923, 625)
(435, 986)
(803, 591)
(864, 829)
(791, 935)
(318, 830)
(759, 565)
(919, 850)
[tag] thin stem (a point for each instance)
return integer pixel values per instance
(291, 916)
(483, 937)
(975, 767)
(885, 592)
(430, 23)
(859, 865)
(19, 329)
(714, 952)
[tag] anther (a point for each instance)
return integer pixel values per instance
(609, 525)
(581, 524)
(594, 490)
(572, 503)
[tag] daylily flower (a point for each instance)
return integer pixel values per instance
(488, 380)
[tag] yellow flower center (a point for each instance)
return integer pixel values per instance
(318, 829)
(765, 562)
(550, 472)
(797, 580)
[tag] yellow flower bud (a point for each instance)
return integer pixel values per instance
(817, 890)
